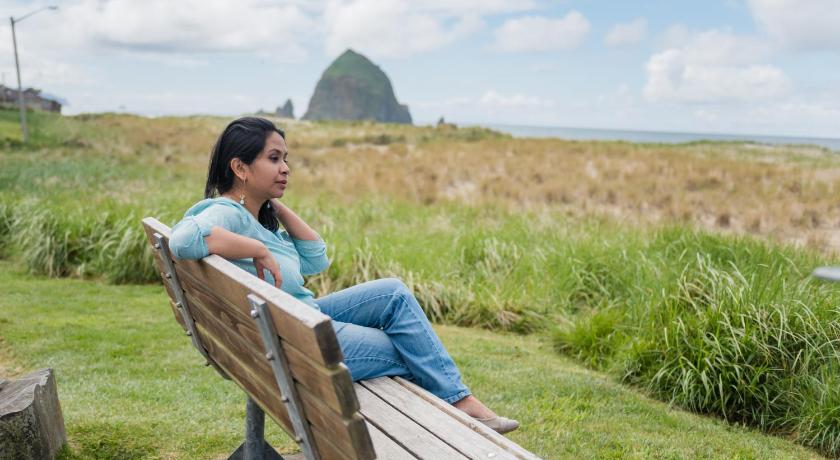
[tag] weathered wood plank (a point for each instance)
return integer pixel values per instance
(461, 438)
(403, 430)
(463, 418)
(323, 417)
(332, 385)
(259, 383)
(329, 451)
(385, 447)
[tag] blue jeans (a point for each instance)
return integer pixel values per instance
(383, 331)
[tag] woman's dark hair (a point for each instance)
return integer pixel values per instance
(243, 138)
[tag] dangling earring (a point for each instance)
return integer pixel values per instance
(242, 194)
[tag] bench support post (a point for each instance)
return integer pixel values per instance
(254, 447)
(254, 430)
(288, 394)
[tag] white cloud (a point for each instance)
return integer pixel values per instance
(41, 72)
(627, 33)
(492, 98)
(792, 116)
(717, 47)
(186, 26)
(540, 33)
(622, 96)
(711, 67)
(391, 28)
(821, 117)
(473, 7)
(183, 60)
(706, 116)
(153, 103)
(400, 28)
(545, 67)
(803, 25)
(489, 106)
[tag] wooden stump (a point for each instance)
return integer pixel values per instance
(31, 424)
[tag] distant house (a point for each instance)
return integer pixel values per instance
(33, 98)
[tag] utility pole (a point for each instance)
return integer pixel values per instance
(21, 103)
(23, 129)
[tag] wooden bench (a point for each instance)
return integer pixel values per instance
(285, 356)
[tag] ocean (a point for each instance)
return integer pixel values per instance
(656, 136)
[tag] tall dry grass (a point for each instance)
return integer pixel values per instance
(784, 193)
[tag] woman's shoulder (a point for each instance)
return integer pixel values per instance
(220, 205)
(223, 210)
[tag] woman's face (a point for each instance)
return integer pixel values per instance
(269, 172)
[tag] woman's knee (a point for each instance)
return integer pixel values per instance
(401, 292)
(395, 286)
(402, 300)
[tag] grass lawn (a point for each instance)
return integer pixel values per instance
(132, 387)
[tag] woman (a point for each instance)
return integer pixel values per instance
(379, 325)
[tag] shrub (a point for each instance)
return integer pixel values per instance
(738, 331)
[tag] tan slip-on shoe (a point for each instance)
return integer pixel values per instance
(499, 424)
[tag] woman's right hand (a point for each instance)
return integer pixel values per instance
(266, 261)
(232, 245)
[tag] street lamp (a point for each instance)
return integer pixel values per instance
(21, 103)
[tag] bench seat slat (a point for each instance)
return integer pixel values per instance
(470, 443)
(488, 433)
(385, 447)
(402, 430)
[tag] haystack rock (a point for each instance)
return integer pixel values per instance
(354, 88)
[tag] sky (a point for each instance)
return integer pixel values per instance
(721, 66)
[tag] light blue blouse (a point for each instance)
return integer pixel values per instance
(295, 257)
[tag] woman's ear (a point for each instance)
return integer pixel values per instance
(239, 168)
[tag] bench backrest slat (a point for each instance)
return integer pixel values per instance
(216, 291)
(332, 384)
(309, 332)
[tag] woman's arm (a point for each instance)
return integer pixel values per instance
(232, 245)
(297, 228)
(310, 247)
(212, 231)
